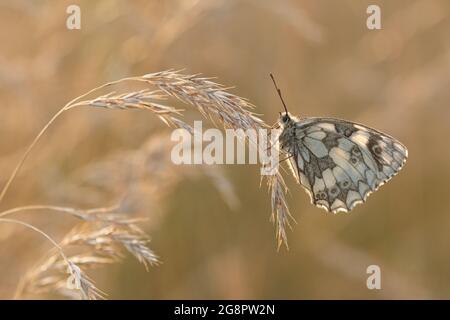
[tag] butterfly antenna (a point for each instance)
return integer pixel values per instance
(279, 92)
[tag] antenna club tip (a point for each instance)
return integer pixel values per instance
(278, 91)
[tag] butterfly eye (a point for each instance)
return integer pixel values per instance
(285, 118)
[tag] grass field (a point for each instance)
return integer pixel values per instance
(103, 165)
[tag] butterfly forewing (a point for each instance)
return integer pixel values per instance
(339, 162)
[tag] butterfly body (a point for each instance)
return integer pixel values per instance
(338, 162)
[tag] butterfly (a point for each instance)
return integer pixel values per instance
(338, 162)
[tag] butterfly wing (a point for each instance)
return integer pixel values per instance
(341, 163)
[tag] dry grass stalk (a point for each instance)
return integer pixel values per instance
(134, 100)
(93, 244)
(140, 100)
(104, 214)
(212, 100)
(79, 281)
(281, 215)
(82, 284)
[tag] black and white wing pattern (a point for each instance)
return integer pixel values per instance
(341, 163)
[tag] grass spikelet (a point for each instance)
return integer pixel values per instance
(93, 245)
(211, 99)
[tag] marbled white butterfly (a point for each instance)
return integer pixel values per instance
(339, 163)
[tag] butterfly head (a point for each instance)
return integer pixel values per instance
(285, 118)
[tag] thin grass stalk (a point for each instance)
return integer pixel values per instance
(81, 282)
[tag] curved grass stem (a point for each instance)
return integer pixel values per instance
(45, 235)
(68, 106)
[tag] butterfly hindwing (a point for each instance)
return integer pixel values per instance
(339, 162)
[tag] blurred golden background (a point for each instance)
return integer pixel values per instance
(212, 245)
